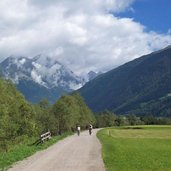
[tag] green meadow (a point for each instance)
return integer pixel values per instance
(140, 148)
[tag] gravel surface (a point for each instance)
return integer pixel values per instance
(74, 153)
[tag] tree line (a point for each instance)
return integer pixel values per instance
(108, 119)
(20, 120)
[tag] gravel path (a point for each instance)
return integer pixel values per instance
(74, 153)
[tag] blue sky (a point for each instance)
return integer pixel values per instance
(154, 14)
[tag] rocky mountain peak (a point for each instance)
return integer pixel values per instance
(42, 70)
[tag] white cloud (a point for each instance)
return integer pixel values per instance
(83, 35)
(36, 77)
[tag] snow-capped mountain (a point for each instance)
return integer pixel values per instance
(12, 68)
(40, 71)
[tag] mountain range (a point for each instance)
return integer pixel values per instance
(41, 77)
(141, 86)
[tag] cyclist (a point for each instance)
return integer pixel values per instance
(90, 129)
(78, 130)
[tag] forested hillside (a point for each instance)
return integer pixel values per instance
(142, 86)
(16, 116)
(20, 120)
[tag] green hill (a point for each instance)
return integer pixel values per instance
(137, 86)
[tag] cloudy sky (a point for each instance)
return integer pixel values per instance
(84, 34)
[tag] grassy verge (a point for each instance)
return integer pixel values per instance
(145, 148)
(22, 151)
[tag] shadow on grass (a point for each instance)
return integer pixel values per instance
(132, 128)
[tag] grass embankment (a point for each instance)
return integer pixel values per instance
(22, 151)
(145, 148)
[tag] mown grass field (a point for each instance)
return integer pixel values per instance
(22, 151)
(142, 148)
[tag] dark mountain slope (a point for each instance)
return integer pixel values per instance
(34, 92)
(125, 88)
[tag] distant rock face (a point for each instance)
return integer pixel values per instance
(41, 71)
(92, 75)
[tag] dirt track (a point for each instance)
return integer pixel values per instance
(74, 153)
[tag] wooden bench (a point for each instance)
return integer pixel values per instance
(45, 136)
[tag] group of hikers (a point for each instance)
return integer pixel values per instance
(90, 127)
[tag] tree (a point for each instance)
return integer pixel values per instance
(132, 119)
(16, 115)
(71, 110)
(106, 119)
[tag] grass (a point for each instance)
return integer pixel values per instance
(22, 151)
(144, 148)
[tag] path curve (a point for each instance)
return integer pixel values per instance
(74, 153)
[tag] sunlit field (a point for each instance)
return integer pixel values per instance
(140, 148)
